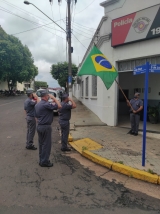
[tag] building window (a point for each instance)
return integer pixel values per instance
(27, 85)
(131, 64)
(94, 86)
(82, 89)
(87, 87)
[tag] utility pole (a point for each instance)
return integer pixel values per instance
(69, 50)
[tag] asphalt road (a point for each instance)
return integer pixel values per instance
(68, 187)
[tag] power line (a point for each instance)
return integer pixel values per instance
(86, 39)
(21, 10)
(81, 34)
(79, 41)
(54, 27)
(60, 21)
(74, 14)
(86, 7)
(82, 31)
(84, 26)
(35, 23)
(35, 29)
(7, 11)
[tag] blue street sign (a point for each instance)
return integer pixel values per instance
(139, 70)
(155, 68)
(69, 79)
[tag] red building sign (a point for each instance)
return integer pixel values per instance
(137, 26)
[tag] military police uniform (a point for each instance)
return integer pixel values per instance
(44, 115)
(64, 117)
(29, 106)
(135, 117)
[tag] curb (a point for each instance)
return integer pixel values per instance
(117, 167)
(70, 138)
(135, 173)
(97, 159)
(158, 179)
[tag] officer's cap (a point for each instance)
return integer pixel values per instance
(44, 92)
(64, 96)
(29, 91)
(137, 94)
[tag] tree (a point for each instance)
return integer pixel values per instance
(59, 72)
(39, 84)
(16, 61)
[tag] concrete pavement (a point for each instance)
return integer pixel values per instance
(116, 145)
(72, 185)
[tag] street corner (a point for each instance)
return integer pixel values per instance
(85, 144)
(134, 173)
(97, 159)
(70, 138)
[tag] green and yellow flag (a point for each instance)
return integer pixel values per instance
(97, 64)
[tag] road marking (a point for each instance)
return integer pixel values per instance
(9, 103)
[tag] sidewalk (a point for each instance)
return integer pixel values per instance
(114, 143)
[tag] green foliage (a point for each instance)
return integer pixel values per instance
(39, 84)
(153, 110)
(84, 148)
(16, 61)
(151, 171)
(121, 162)
(60, 72)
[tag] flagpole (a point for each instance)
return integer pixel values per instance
(124, 94)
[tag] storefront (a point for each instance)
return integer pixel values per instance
(129, 35)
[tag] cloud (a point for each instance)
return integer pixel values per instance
(48, 44)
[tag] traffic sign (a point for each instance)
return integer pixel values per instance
(155, 68)
(139, 70)
(148, 68)
(69, 79)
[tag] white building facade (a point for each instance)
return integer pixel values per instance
(19, 86)
(128, 36)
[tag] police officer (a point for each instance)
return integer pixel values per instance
(64, 117)
(137, 106)
(44, 115)
(29, 106)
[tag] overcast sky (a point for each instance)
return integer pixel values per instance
(48, 44)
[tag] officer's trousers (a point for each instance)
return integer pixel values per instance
(31, 128)
(44, 138)
(65, 125)
(134, 118)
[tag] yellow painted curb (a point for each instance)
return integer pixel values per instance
(85, 143)
(141, 175)
(158, 179)
(97, 159)
(70, 138)
(85, 147)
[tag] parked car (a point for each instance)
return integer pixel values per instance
(53, 92)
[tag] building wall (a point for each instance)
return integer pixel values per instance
(3, 85)
(20, 86)
(105, 105)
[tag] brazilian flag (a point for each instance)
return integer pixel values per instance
(97, 64)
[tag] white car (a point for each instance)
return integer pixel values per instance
(53, 92)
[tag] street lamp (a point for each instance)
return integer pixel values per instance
(69, 42)
(27, 2)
